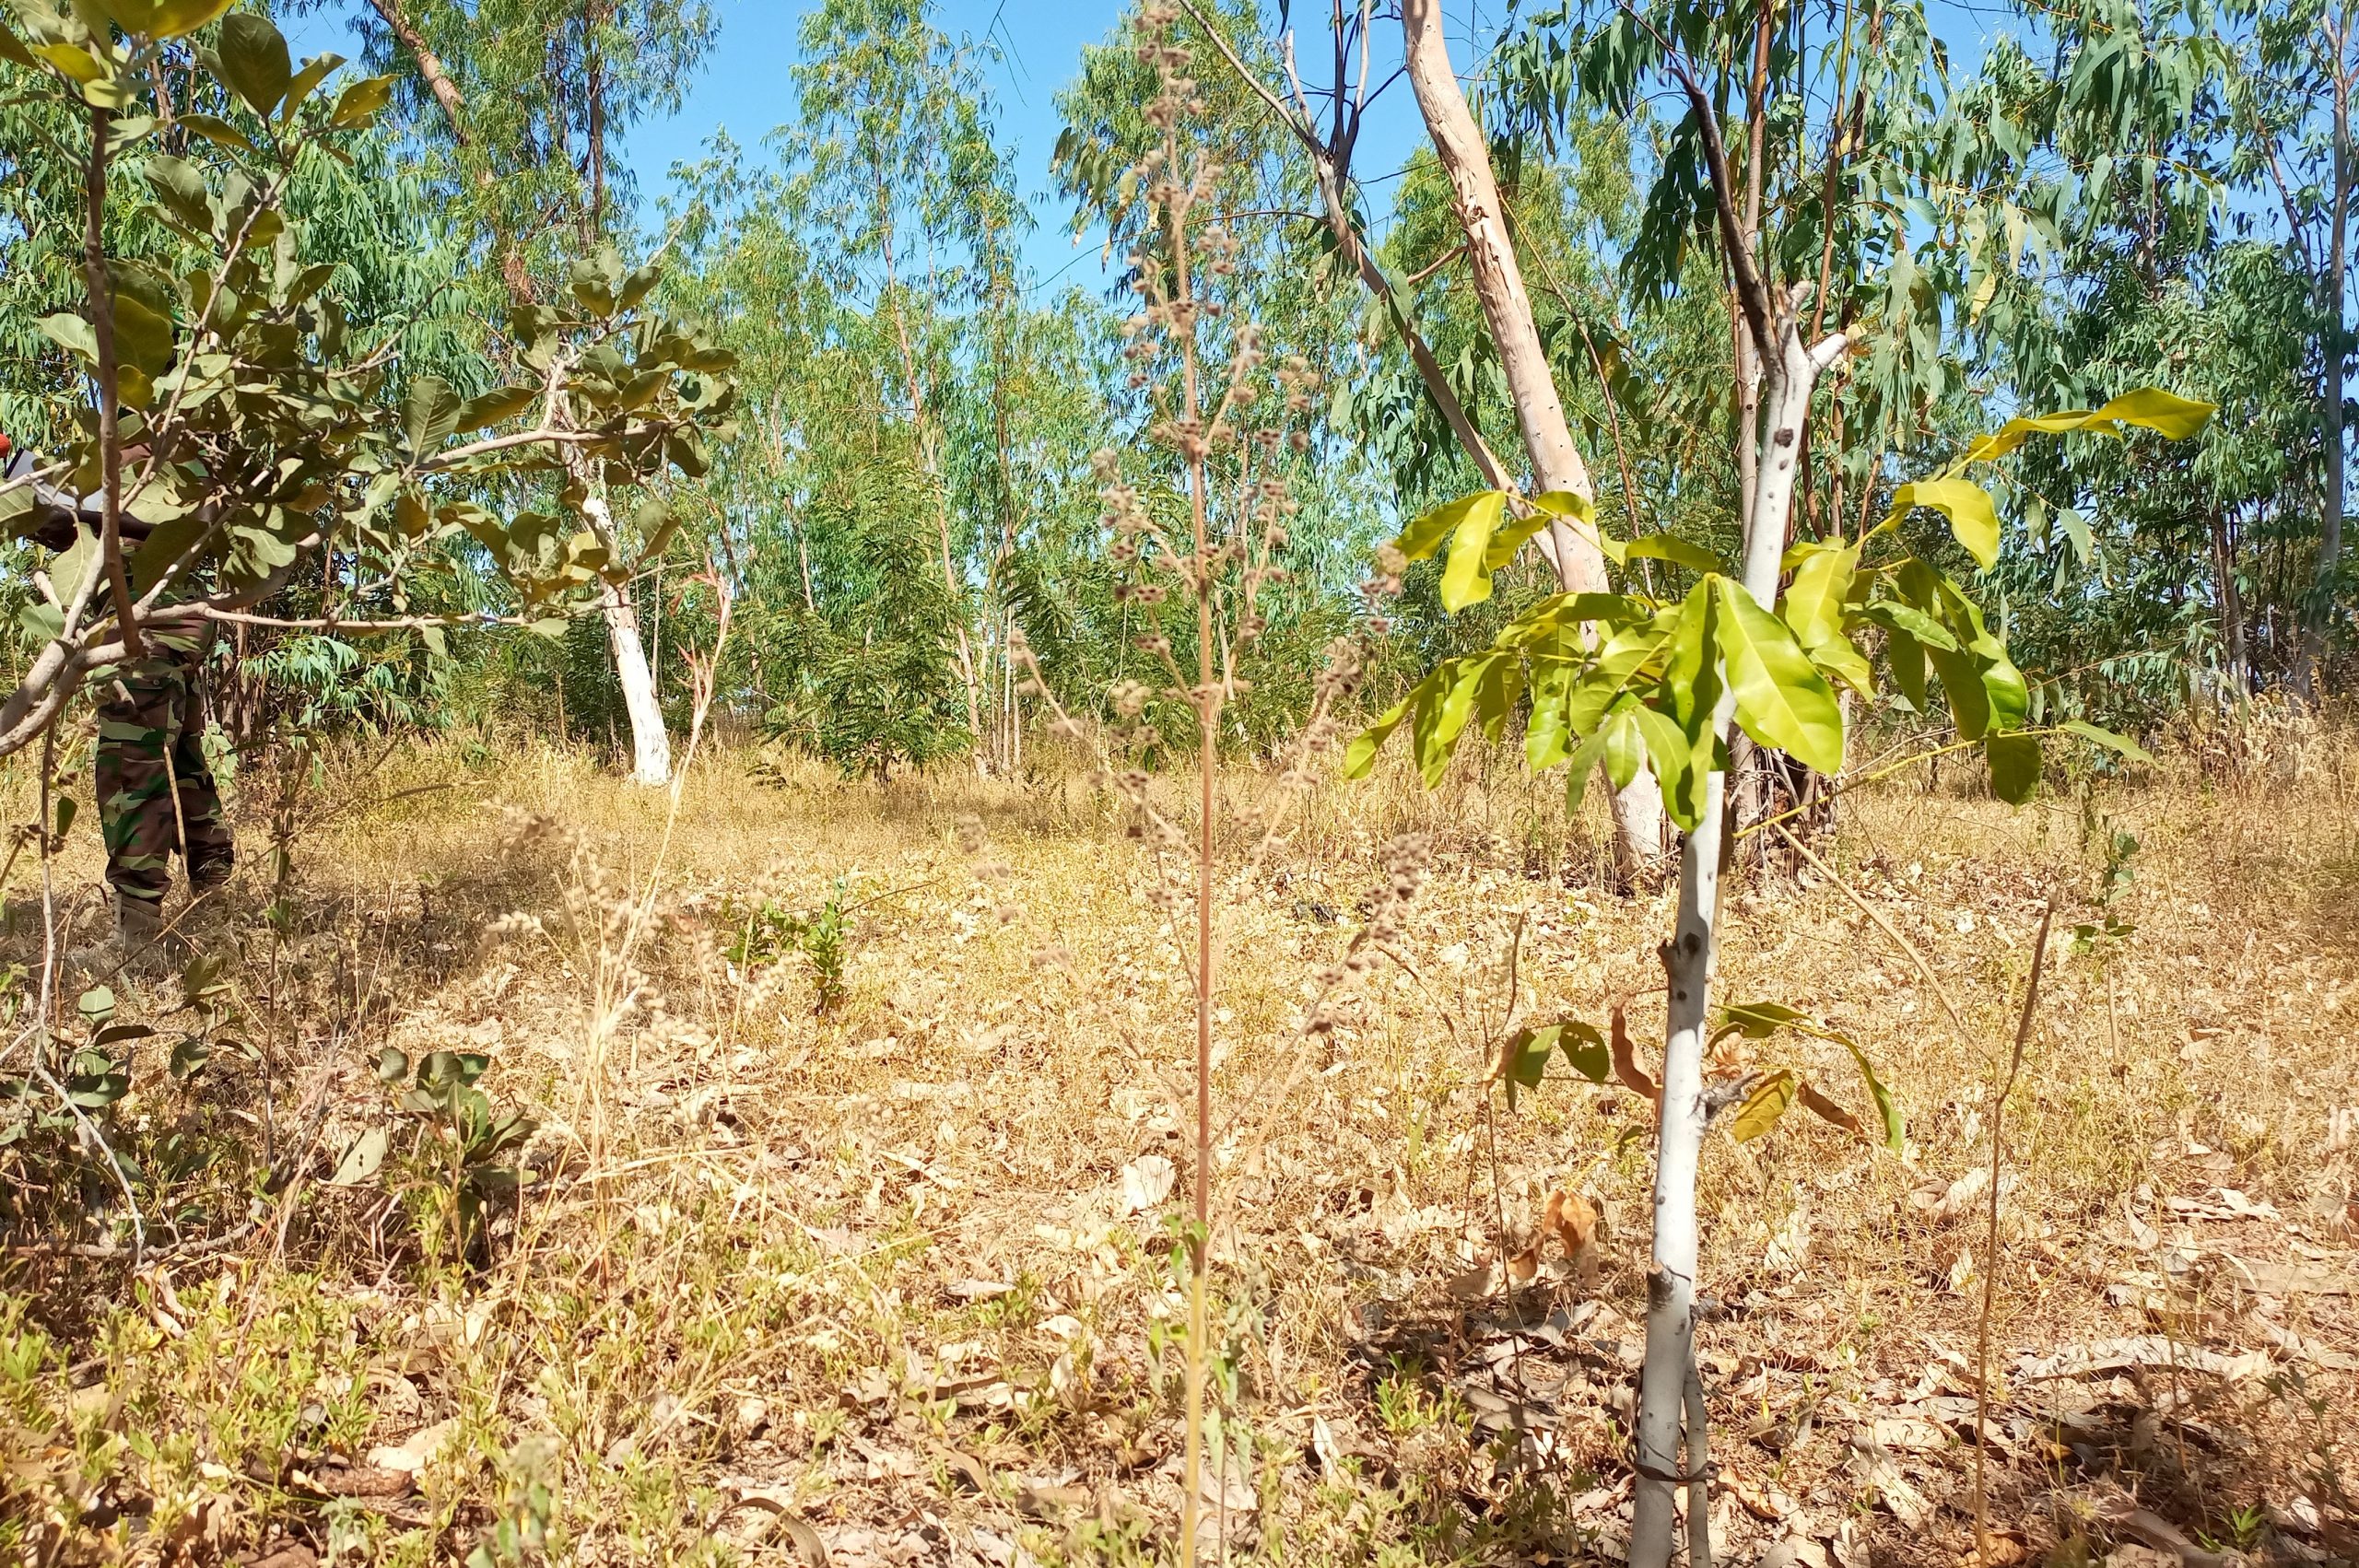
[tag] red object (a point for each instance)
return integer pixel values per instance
(4, 447)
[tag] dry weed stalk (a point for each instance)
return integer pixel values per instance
(1213, 547)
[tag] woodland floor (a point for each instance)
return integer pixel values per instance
(897, 1281)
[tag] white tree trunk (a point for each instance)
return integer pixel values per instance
(1539, 410)
(1688, 964)
(650, 746)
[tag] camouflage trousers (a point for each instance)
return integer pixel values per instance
(150, 730)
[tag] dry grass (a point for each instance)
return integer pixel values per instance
(878, 1271)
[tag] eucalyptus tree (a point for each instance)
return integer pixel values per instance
(915, 208)
(2298, 67)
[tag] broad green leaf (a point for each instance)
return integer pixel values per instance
(1429, 532)
(2014, 767)
(1674, 752)
(1439, 724)
(1961, 683)
(1496, 697)
(2107, 739)
(1764, 1108)
(1525, 1059)
(360, 102)
(1625, 744)
(1814, 603)
(1584, 1049)
(217, 131)
(1781, 699)
(74, 60)
(2173, 417)
(180, 189)
(1619, 664)
(253, 62)
(1678, 552)
(494, 407)
(143, 339)
(1906, 619)
(1838, 658)
(72, 333)
(1691, 685)
(1465, 578)
(1967, 505)
(165, 545)
(305, 81)
(1509, 539)
(1547, 739)
(428, 414)
(1759, 1020)
(13, 50)
(176, 19)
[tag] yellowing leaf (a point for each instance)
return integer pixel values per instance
(1430, 532)
(1466, 577)
(1764, 1108)
(1967, 505)
(1781, 699)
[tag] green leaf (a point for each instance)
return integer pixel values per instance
(72, 333)
(2014, 767)
(1763, 1107)
(96, 1005)
(1970, 699)
(1909, 621)
(1360, 756)
(13, 50)
(1438, 725)
(66, 809)
(1814, 601)
(181, 188)
(1547, 738)
(143, 339)
(360, 102)
(1624, 742)
(1759, 1020)
(1673, 753)
(1781, 699)
(1973, 519)
(74, 60)
(1526, 1060)
(1678, 552)
(252, 55)
(2172, 416)
(1466, 578)
(177, 19)
(2120, 745)
(494, 407)
(1584, 1049)
(217, 131)
(1429, 532)
(315, 71)
(167, 543)
(428, 414)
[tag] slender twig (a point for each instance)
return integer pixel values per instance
(1991, 1239)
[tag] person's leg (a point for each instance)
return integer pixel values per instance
(138, 720)
(208, 852)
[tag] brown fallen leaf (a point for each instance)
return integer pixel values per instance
(2150, 1528)
(1830, 1110)
(2000, 1549)
(1572, 1220)
(966, 1467)
(1524, 1267)
(776, 1500)
(1625, 1060)
(363, 1481)
(287, 1554)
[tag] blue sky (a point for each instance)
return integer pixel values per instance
(1027, 50)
